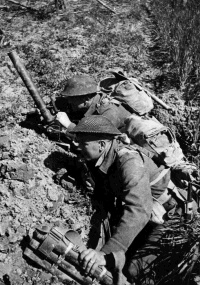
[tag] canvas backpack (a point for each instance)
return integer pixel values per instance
(126, 91)
(150, 134)
(142, 129)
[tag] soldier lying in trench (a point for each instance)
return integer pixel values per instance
(131, 192)
(124, 102)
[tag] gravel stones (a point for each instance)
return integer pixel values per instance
(52, 194)
(16, 170)
(4, 142)
(29, 197)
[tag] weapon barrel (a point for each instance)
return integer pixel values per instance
(188, 204)
(189, 196)
(30, 86)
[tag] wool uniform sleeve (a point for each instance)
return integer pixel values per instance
(116, 114)
(137, 200)
(71, 127)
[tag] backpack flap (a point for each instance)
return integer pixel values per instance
(127, 91)
(107, 84)
(135, 99)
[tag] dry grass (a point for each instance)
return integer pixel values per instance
(178, 24)
(175, 28)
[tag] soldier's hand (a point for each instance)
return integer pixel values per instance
(90, 259)
(63, 119)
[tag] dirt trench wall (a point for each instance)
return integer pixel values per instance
(29, 197)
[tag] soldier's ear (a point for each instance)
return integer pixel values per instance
(102, 145)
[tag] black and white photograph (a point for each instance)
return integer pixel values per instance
(100, 142)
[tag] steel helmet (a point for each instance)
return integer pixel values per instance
(96, 124)
(79, 85)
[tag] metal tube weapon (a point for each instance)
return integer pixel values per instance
(188, 204)
(57, 250)
(30, 86)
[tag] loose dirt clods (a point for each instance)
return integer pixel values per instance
(29, 197)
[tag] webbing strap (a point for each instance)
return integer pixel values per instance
(160, 176)
(166, 195)
(174, 189)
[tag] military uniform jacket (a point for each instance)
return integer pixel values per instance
(124, 175)
(115, 112)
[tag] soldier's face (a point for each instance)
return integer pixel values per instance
(79, 103)
(91, 150)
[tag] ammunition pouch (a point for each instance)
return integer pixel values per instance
(57, 250)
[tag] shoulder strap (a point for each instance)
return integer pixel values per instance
(126, 149)
(160, 176)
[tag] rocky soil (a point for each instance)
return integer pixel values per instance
(39, 181)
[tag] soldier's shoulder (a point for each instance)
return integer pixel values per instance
(107, 105)
(129, 149)
(130, 152)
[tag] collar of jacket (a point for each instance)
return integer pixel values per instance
(108, 157)
(92, 107)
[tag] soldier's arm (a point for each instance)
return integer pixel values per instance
(137, 199)
(116, 114)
